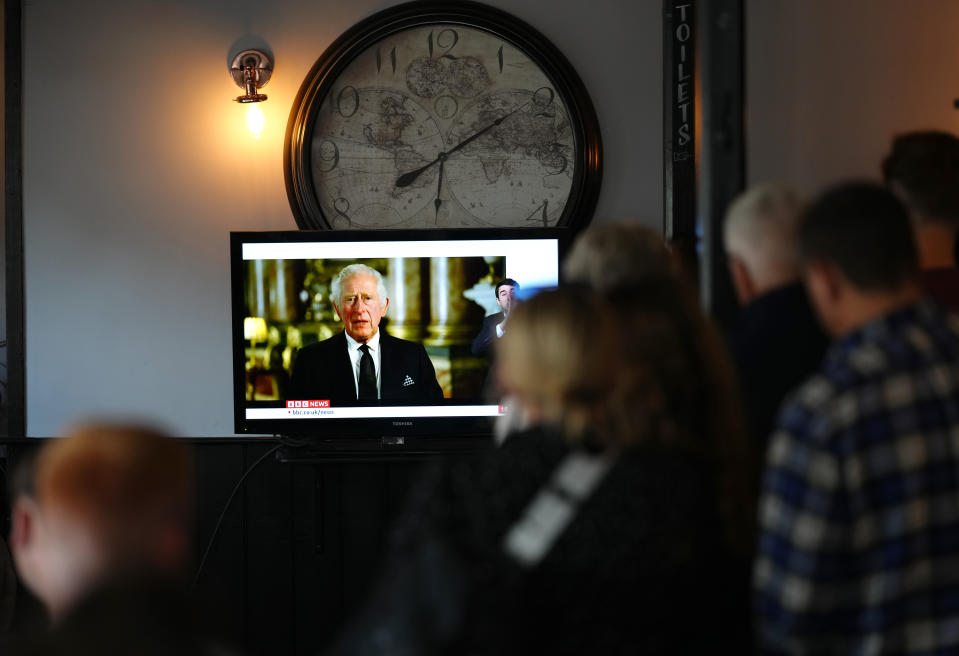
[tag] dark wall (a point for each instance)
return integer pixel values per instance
(300, 545)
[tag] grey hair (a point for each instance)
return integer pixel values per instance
(336, 286)
(761, 228)
(613, 254)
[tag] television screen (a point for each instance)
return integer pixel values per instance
(377, 334)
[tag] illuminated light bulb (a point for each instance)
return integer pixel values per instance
(255, 120)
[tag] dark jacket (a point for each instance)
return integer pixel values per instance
(636, 572)
(323, 371)
(483, 344)
(776, 344)
(147, 617)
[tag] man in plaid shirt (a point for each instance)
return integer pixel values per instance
(859, 513)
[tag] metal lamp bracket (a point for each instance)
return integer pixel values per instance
(251, 69)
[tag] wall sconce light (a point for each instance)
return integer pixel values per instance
(251, 69)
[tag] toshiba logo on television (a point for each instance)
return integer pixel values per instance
(308, 404)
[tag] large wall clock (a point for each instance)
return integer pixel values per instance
(442, 115)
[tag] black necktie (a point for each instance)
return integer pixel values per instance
(367, 376)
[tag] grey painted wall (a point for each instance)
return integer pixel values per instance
(829, 83)
(137, 167)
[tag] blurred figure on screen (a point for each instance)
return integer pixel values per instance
(494, 326)
(103, 541)
(362, 363)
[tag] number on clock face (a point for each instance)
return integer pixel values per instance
(477, 118)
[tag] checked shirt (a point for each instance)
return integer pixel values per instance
(859, 512)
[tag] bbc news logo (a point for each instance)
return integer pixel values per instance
(308, 404)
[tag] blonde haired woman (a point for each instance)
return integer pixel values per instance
(605, 527)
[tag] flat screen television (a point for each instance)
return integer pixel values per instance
(440, 288)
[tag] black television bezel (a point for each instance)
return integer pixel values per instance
(432, 433)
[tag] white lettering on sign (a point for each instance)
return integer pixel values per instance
(683, 33)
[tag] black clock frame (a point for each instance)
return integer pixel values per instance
(297, 166)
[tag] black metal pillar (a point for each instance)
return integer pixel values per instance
(679, 129)
(13, 217)
(722, 148)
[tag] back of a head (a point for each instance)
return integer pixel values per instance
(131, 486)
(554, 357)
(641, 361)
(760, 229)
(863, 230)
(615, 254)
(923, 169)
(636, 366)
(673, 376)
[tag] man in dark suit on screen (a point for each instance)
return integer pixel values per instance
(494, 326)
(363, 364)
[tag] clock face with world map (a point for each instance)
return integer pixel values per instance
(431, 115)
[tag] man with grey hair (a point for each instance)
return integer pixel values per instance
(776, 342)
(363, 364)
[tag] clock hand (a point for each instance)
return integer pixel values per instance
(439, 186)
(409, 177)
(489, 127)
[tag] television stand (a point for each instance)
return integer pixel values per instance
(306, 450)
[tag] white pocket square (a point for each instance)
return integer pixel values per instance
(407, 382)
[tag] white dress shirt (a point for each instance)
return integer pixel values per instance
(353, 347)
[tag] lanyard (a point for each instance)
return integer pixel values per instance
(555, 506)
